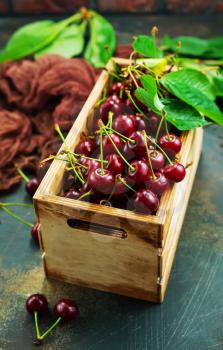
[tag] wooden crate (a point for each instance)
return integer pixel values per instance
(106, 248)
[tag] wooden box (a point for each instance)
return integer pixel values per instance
(111, 249)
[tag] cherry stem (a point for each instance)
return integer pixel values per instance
(126, 185)
(158, 130)
(91, 158)
(148, 155)
(49, 329)
(9, 204)
(153, 32)
(132, 75)
(101, 152)
(135, 105)
(117, 150)
(22, 174)
(122, 136)
(17, 217)
(36, 325)
(160, 148)
(70, 156)
(85, 194)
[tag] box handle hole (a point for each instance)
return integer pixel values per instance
(97, 228)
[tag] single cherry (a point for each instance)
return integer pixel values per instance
(157, 185)
(153, 124)
(72, 194)
(140, 172)
(31, 186)
(120, 187)
(137, 144)
(175, 172)
(85, 147)
(89, 165)
(145, 201)
(101, 180)
(125, 124)
(115, 163)
(117, 88)
(36, 303)
(108, 145)
(66, 309)
(171, 144)
(35, 231)
(141, 123)
(157, 159)
(113, 104)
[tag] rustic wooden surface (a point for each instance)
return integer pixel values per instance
(190, 318)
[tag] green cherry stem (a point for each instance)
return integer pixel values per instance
(85, 194)
(135, 105)
(49, 329)
(126, 185)
(22, 174)
(12, 204)
(17, 217)
(101, 152)
(117, 150)
(36, 324)
(158, 131)
(148, 155)
(122, 136)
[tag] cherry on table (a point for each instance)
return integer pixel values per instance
(125, 124)
(145, 201)
(36, 303)
(115, 163)
(101, 181)
(31, 186)
(66, 309)
(85, 147)
(175, 172)
(171, 144)
(157, 185)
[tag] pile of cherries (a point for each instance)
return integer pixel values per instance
(64, 310)
(128, 159)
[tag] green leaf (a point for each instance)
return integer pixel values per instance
(149, 84)
(182, 116)
(144, 45)
(218, 84)
(102, 41)
(215, 47)
(194, 88)
(189, 45)
(33, 37)
(68, 44)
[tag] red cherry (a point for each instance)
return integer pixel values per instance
(120, 187)
(107, 144)
(115, 163)
(157, 185)
(153, 124)
(36, 303)
(31, 186)
(175, 172)
(85, 147)
(140, 173)
(72, 194)
(157, 159)
(35, 231)
(102, 182)
(138, 147)
(170, 144)
(141, 123)
(66, 309)
(90, 164)
(145, 201)
(113, 104)
(117, 88)
(125, 124)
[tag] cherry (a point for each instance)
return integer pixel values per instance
(120, 187)
(91, 164)
(141, 123)
(85, 147)
(157, 185)
(138, 146)
(117, 88)
(153, 124)
(31, 186)
(171, 144)
(113, 104)
(145, 201)
(125, 124)
(140, 173)
(175, 172)
(101, 180)
(36, 303)
(72, 194)
(66, 309)
(107, 144)
(115, 163)
(157, 159)
(35, 231)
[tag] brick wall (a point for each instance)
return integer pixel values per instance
(19, 7)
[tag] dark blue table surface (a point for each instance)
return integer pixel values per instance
(191, 317)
